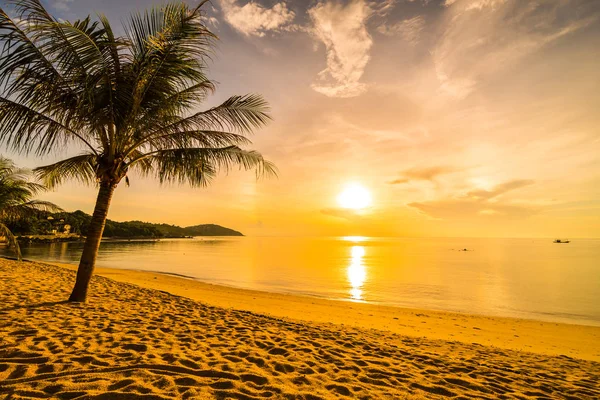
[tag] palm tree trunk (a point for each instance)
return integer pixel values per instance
(92, 243)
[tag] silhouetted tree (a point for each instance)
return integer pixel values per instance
(127, 102)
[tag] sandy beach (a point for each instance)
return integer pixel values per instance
(151, 336)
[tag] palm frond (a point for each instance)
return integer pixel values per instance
(24, 210)
(187, 139)
(80, 168)
(26, 129)
(197, 166)
(169, 45)
(19, 53)
(49, 35)
(28, 75)
(16, 182)
(173, 105)
(238, 113)
(10, 172)
(41, 205)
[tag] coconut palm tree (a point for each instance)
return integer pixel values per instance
(17, 191)
(127, 103)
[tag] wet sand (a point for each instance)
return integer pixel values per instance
(138, 337)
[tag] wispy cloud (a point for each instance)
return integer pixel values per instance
(409, 29)
(479, 203)
(422, 174)
(499, 190)
(342, 29)
(252, 19)
(482, 37)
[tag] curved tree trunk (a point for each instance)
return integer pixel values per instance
(11, 240)
(92, 243)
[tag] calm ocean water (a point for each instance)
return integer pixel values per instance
(525, 278)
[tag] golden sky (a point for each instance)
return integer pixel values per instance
(461, 117)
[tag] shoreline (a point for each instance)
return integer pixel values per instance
(583, 322)
(542, 337)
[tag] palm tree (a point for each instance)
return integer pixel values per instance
(128, 103)
(16, 199)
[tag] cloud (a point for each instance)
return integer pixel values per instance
(342, 29)
(383, 8)
(409, 29)
(212, 21)
(499, 190)
(63, 5)
(476, 4)
(252, 19)
(479, 203)
(464, 209)
(483, 37)
(422, 174)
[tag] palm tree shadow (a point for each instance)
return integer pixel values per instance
(34, 306)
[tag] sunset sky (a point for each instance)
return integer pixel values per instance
(461, 117)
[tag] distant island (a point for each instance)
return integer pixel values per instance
(71, 225)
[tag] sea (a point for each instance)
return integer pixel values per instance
(522, 278)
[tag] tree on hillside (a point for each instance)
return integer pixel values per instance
(127, 102)
(16, 199)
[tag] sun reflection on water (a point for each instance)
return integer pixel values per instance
(354, 239)
(357, 272)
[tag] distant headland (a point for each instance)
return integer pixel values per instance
(72, 226)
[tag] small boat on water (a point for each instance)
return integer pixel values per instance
(562, 241)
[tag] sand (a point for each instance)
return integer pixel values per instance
(134, 342)
(508, 333)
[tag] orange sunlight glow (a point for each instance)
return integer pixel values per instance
(355, 197)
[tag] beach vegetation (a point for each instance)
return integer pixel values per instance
(18, 190)
(44, 223)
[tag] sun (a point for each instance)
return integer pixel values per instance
(355, 197)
